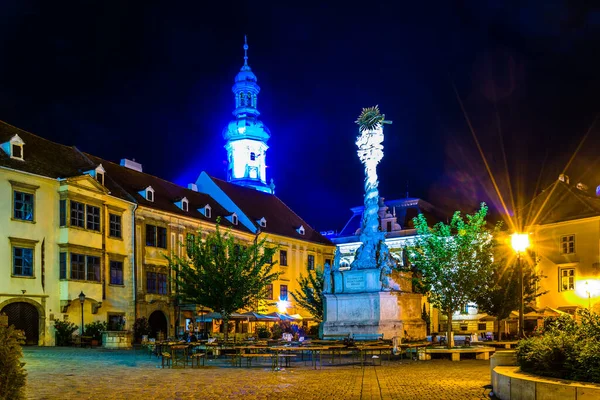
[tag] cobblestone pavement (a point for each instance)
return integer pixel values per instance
(71, 373)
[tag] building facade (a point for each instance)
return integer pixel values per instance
(74, 223)
(564, 227)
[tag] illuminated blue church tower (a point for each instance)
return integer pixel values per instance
(246, 136)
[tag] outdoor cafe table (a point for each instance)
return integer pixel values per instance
(313, 350)
(365, 350)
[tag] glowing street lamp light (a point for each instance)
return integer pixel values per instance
(520, 243)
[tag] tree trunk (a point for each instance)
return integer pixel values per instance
(449, 331)
(225, 328)
(498, 338)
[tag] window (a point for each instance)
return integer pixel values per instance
(190, 240)
(184, 205)
(283, 257)
(85, 268)
(78, 266)
(567, 244)
(114, 225)
(207, 211)
(300, 230)
(252, 156)
(156, 236)
(311, 262)
(93, 217)
(149, 195)
(156, 283)
(23, 206)
(389, 226)
(269, 292)
(93, 268)
(234, 219)
(283, 293)
(62, 210)
(116, 273)
(17, 151)
(567, 279)
(77, 214)
(62, 265)
(100, 177)
(22, 261)
(481, 326)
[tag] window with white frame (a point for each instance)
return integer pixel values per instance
(567, 279)
(567, 244)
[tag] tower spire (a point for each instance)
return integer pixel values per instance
(245, 51)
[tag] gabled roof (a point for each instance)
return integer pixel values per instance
(281, 220)
(560, 202)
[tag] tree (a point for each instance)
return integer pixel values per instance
(499, 296)
(310, 295)
(222, 273)
(453, 260)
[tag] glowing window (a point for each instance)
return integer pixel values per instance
(567, 279)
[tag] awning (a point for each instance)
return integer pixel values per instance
(283, 317)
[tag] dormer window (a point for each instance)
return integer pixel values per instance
(147, 193)
(206, 211)
(253, 156)
(100, 177)
(97, 173)
(14, 147)
(233, 218)
(262, 222)
(300, 230)
(183, 204)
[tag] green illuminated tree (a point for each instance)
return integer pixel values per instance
(452, 260)
(222, 273)
(310, 295)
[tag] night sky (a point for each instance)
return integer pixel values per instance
(152, 81)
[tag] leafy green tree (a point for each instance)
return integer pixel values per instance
(310, 295)
(222, 273)
(499, 295)
(453, 260)
(12, 374)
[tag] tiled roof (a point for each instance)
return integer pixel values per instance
(281, 220)
(166, 194)
(53, 160)
(560, 202)
(41, 155)
(405, 209)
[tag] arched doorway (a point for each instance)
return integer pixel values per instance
(158, 323)
(25, 317)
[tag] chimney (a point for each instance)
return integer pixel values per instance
(131, 164)
(193, 186)
(582, 186)
(564, 178)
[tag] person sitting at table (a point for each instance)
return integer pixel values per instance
(434, 339)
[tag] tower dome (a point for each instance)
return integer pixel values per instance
(246, 135)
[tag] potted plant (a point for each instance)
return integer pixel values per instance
(94, 331)
(141, 328)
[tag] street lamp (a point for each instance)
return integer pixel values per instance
(81, 300)
(520, 243)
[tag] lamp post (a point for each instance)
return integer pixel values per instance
(81, 300)
(520, 242)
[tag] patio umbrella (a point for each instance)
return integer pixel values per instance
(281, 317)
(254, 316)
(215, 315)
